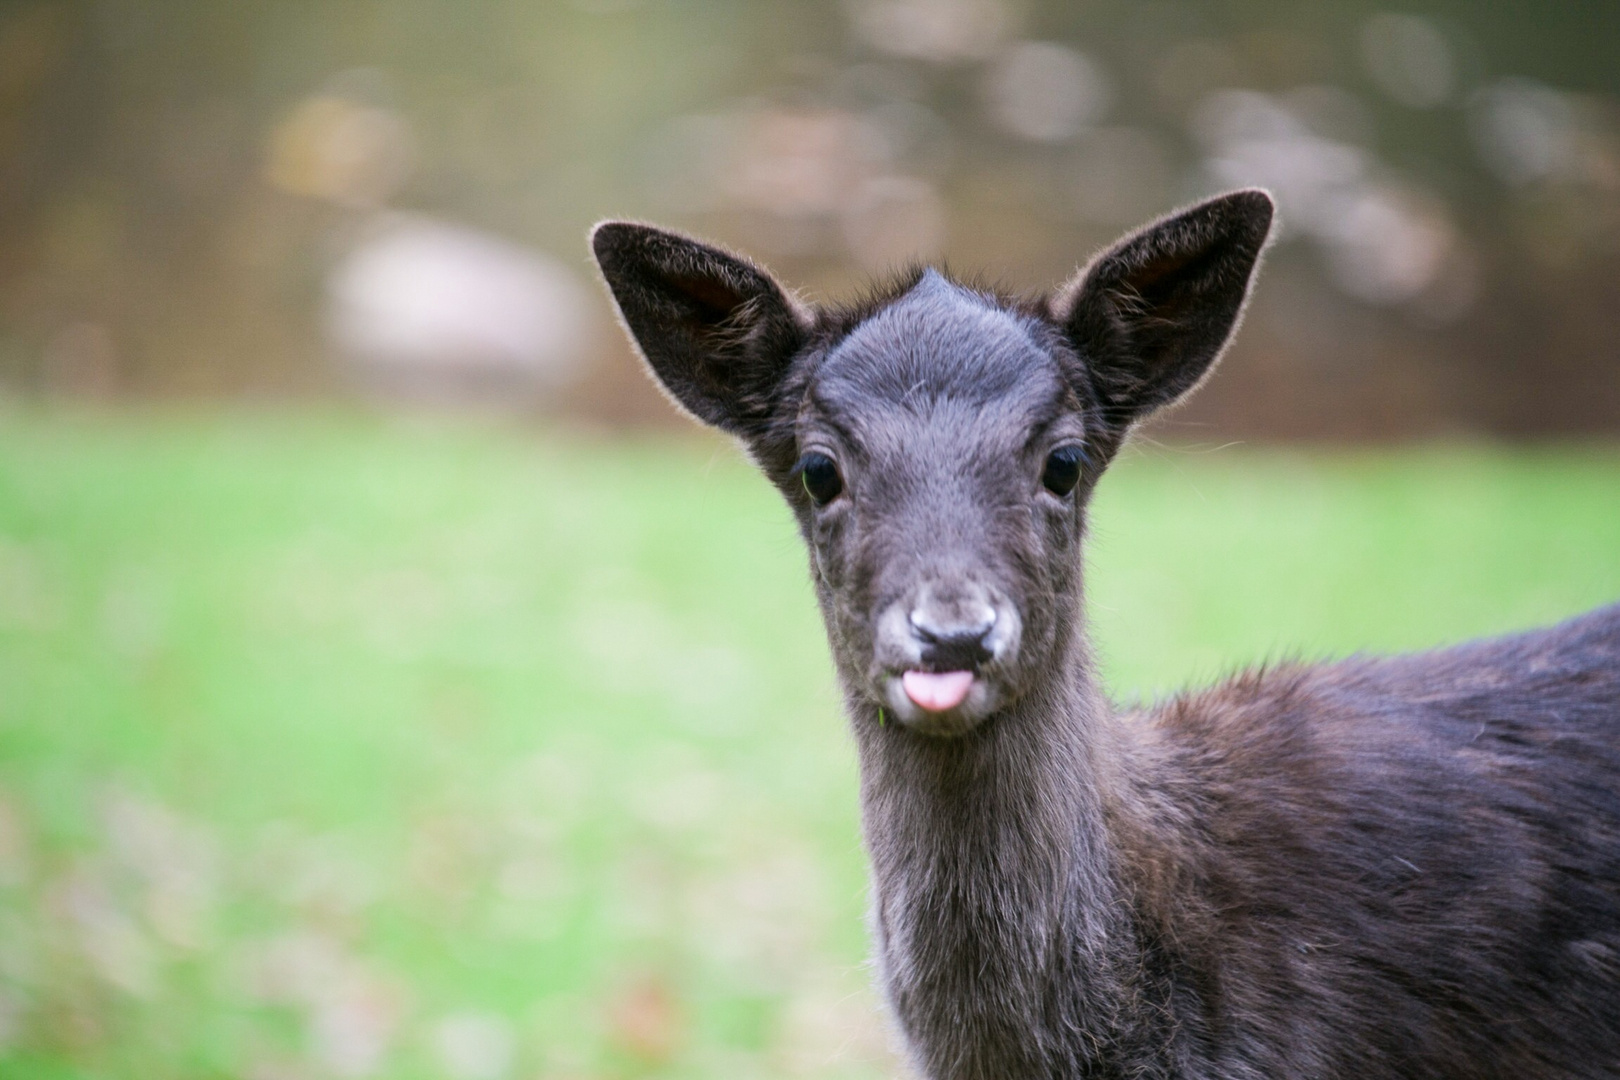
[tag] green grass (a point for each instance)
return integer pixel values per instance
(331, 745)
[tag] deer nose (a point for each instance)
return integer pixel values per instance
(952, 644)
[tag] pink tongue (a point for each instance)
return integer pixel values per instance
(937, 691)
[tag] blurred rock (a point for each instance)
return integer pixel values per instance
(426, 310)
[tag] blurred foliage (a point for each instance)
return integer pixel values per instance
(332, 747)
(178, 178)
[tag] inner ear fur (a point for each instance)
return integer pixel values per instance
(717, 331)
(1152, 314)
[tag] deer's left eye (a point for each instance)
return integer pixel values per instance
(1062, 471)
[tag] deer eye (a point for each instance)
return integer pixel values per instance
(1062, 471)
(820, 477)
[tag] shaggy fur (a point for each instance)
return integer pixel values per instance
(1380, 868)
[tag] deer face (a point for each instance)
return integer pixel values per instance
(938, 447)
(941, 449)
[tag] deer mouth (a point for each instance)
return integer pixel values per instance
(941, 703)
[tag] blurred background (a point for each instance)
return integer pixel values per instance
(390, 198)
(391, 684)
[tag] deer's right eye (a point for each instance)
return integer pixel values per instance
(819, 474)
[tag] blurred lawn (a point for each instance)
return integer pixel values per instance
(332, 746)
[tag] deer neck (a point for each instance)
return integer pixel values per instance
(996, 894)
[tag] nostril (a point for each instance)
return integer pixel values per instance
(953, 646)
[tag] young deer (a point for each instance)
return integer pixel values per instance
(1404, 867)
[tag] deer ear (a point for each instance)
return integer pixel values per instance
(716, 330)
(1150, 316)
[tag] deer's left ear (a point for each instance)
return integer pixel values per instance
(1150, 316)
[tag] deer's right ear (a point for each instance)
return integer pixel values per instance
(717, 331)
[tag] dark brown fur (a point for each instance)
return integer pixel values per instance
(1381, 868)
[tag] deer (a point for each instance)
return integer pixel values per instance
(1379, 867)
